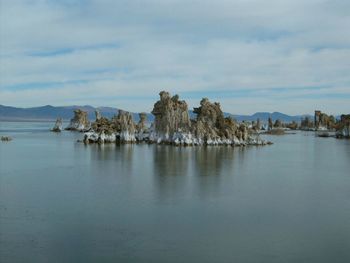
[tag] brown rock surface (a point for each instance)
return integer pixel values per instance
(343, 127)
(79, 122)
(124, 122)
(171, 115)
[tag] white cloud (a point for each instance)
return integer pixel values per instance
(111, 51)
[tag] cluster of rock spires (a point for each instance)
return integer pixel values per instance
(172, 125)
(321, 121)
(323, 124)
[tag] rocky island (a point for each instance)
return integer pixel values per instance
(172, 125)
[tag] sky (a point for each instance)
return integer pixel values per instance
(291, 56)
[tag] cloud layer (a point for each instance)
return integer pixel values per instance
(291, 56)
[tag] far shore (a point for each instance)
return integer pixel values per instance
(29, 120)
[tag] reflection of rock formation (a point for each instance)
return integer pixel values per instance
(343, 127)
(58, 126)
(79, 122)
(209, 160)
(172, 125)
(170, 162)
(181, 171)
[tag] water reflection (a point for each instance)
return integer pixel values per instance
(170, 161)
(210, 166)
(111, 158)
(192, 170)
(209, 161)
(170, 168)
(62, 199)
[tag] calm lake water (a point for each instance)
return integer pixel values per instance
(62, 201)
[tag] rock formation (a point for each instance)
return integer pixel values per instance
(209, 128)
(276, 131)
(142, 131)
(343, 127)
(58, 126)
(98, 115)
(171, 116)
(79, 122)
(120, 128)
(172, 125)
(210, 123)
(5, 138)
(278, 124)
(126, 127)
(292, 125)
(270, 124)
(306, 124)
(323, 121)
(257, 126)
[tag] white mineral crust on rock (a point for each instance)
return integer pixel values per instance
(172, 125)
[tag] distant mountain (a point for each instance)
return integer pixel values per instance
(50, 113)
(264, 116)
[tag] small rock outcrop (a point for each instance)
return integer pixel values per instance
(58, 126)
(98, 115)
(80, 121)
(257, 125)
(5, 138)
(120, 128)
(142, 131)
(270, 124)
(278, 124)
(306, 124)
(292, 125)
(276, 131)
(343, 127)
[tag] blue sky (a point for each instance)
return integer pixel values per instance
(291, 56)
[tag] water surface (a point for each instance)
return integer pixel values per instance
(63, 201)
